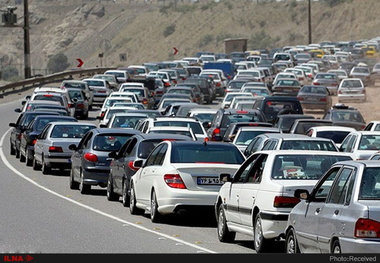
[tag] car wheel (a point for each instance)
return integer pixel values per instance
(44, 168)
(155, 216)
(125, 196)
(35, 165)
(133, 209)
(73, 184)
(29, 158)
(224, 234)
(291, 243)
(83, 188)
(336, 247)
(111, 196)
(22, 157)
(17, 153)
(260, 242)
(12, 150)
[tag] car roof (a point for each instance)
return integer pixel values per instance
(73, 123)
(149, 136)
(116, 131)
(333, 128)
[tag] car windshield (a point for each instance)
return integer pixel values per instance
(70, 131)
(370, 183)
(313, 145)
(206, 153)
(109, 142)
(303, 166)
(336, 136)
(193, 125)
(370, 142)
(350, 116)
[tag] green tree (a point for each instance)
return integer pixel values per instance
(58, 63)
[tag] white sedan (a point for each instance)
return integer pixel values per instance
(182, 176)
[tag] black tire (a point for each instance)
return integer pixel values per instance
(125, 196)
(22, 157)
(155, 216)
(44, 168)
(111, 196)
(36, 166)
(12, 150)
(336, 249)
(73, 184)
(133, 209)
(83, 188)
(291, 244)
(224, 235)
(260, 243)
(28, 160)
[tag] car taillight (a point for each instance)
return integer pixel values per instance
(218, 84)
(174, 181)
(56, 149)
(363, 91)
(131, 165)
(365, 227)
(300, 98)
(285, 201)
(215, 132)
(323, 99)
(71, 105)
(145, 101)
(102, 91)
(91, 157)
(34, 141)
(167, 84)
(316, 83)
(80, 106)
(334, 84)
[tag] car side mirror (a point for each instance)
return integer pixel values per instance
(206, 124)
(18, 110)
(302, 194)
(224, 177)
(138, 163)
(12, 124)
(73, 147)
(113, 154)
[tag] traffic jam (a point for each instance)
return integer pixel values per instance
(233, 134)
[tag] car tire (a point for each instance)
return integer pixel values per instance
(155, 216)
(291, 244)
(22, 157)
(133, 209)
(44, 168)
(36, 166)
(224, 234)
(111, 196)
(72, 183)
(125, 196)
(28, 159)
(12, 150)
(336, 249)
(260, 243)
(83, 188)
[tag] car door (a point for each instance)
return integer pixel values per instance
(76, 157)
(249, 191)
(42, 144)
(233, 199)
(142, 182)
(123, 163)
(307, 218)
(329, 221)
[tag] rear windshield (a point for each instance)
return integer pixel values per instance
(240, 117)
(370, 184)
(206, 154)
(109, 142)
(70, 131)
(41, 123)
(195, 126)
(49, 97)
(336, 136)
(313, 145)
(303, 167)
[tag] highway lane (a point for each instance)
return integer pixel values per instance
(41, 214)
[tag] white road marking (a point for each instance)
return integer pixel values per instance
(5, 161)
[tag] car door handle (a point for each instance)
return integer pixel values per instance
(336, 212)
(318, 210)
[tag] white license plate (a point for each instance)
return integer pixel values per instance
(208, 180)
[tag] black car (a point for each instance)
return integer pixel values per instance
(285, 121)
(122, 166)
(204, 85)
(224, 117)
(271, 106)
(343, 115)
(90, 163)
(79, 102)
(29, 136)
(19, 127)
(234, 127)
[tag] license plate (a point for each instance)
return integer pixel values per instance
(208, 180)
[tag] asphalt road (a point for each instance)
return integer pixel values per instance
(41, 214)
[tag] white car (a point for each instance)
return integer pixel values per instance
(335, 133)
(257, 199)
(195, 125)
(180, 176)
(351, 89)
(360, 145)
(230, 95)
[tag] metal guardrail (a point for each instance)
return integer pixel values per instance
(41, 80)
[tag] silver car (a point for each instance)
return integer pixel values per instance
(341, 214)
(51, 149)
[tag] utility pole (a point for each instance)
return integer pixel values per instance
(309, 20)
(27, 71)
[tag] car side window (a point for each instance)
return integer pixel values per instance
(84, 142)
(345, 143)
(152, 157)
(161, 155)
(244, 171)
(256, 173)
(130, 147)
(342, 188)
(45, 132)
(321, 192)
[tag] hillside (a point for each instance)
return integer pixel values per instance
(149, 31)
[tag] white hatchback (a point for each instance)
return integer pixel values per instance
(351, 89)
